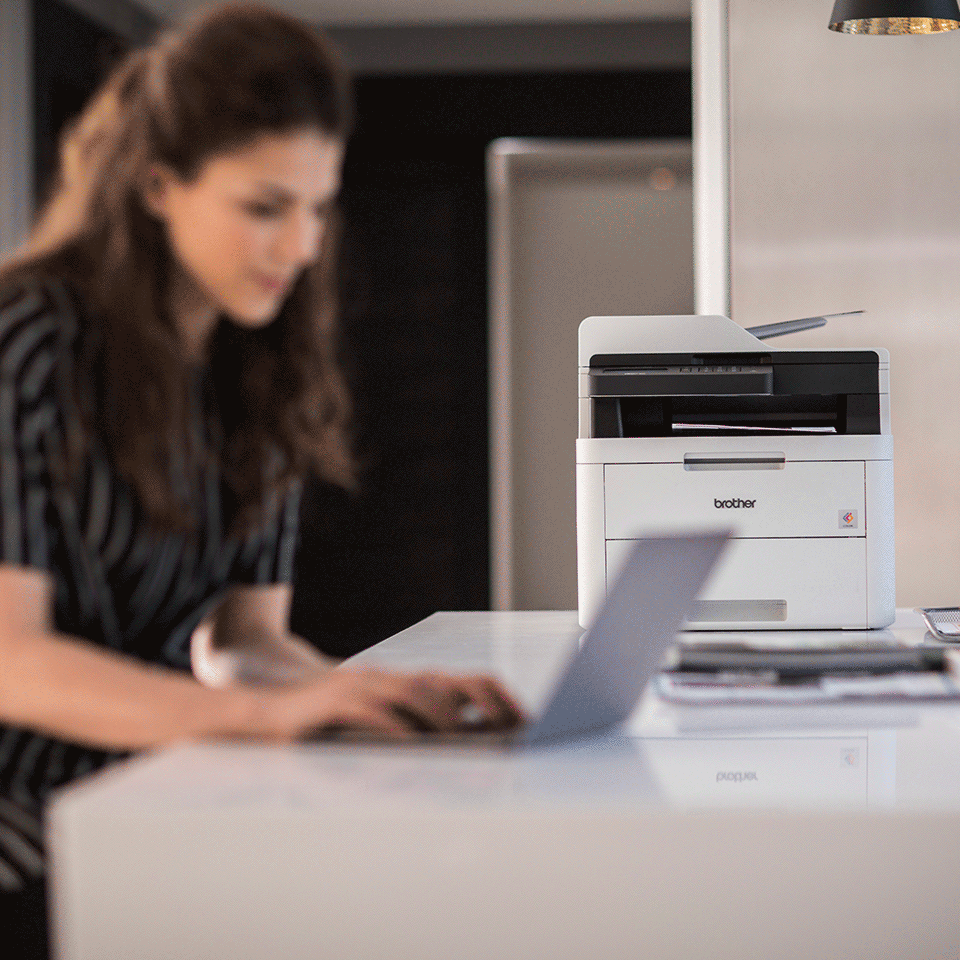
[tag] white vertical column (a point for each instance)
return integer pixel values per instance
(16, 124)
(500, 379)
(711, 158)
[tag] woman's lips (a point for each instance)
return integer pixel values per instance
(272, 284)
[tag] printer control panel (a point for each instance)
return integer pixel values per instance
(638, 395)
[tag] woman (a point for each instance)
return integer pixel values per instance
(167, 380)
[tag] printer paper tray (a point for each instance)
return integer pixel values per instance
(805, 583)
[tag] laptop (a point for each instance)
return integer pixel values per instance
(623, 649)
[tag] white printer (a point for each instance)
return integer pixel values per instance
(691, 421)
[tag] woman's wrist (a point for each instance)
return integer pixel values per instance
(251, 713)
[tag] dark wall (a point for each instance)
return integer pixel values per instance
(71, 55)
(414, 538)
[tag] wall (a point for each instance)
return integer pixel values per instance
(844, 195)
(124, 17)
(16, 126)
(515, 47)
(398, 12)
(574, 237)
(121, 17)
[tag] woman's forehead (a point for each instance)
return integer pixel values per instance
(291, 161)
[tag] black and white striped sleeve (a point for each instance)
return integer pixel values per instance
(267, 556)
(21, 845)
(29, 332)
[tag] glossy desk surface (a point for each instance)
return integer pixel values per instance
(904, 756)
(790, 788)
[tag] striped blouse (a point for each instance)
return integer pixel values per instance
(118, 582)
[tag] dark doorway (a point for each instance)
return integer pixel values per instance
(415, 540)
(72, 54)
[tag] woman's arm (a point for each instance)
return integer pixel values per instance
(72, 689)
(247, 638)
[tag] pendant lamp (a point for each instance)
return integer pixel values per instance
(895, 16)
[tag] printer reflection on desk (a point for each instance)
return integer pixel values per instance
(691, 421)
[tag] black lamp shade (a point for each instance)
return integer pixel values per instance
(895, 16)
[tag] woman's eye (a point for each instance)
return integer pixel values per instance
(262, 211)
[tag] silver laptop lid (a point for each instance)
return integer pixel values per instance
(625, 645)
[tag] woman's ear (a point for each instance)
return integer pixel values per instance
(154, 190)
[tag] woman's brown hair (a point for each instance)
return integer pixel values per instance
(219, 82)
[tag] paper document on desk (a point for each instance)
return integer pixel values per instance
(759, 686)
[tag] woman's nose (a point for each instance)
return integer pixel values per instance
(301, 240)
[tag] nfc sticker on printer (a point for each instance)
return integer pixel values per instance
(848, 519)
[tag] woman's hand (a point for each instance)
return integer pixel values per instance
(391, 704)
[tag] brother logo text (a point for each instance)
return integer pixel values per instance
(735, 504)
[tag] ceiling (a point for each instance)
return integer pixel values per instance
(388, 12)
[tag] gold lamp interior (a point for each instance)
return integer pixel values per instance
(895, 25)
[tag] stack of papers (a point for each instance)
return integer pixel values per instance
(753, 675)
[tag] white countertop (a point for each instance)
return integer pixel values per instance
(701, 834)
(813, 757)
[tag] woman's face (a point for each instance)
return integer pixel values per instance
(245, 227)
